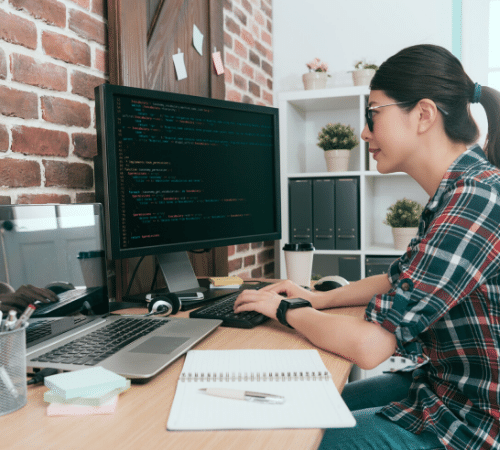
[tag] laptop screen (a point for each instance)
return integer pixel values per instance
(59, 247)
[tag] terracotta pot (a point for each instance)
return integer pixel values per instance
(314, 80)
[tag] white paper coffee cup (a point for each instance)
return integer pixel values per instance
(93, 268)
(299, 261)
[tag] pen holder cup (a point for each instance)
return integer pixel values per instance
(13, 388)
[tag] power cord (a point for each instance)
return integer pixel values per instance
(39, 376)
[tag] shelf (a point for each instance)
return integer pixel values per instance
(382, 250)
(324, 174)
(375, 174)
(337, 252)
(325, 99)
(302, 115)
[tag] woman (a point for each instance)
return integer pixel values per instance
(439, 306)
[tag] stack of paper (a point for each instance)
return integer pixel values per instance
(83, 392)
(231, 282)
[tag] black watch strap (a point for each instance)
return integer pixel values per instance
(287, 304)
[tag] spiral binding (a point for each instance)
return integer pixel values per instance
(264, 376)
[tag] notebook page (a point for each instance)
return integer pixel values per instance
(310, 401)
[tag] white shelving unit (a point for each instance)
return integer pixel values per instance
(302, 115)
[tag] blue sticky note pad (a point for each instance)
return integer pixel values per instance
(95, 381)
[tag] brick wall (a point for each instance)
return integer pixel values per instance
(248, 57)
(53, 53)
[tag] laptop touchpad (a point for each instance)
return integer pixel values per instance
(159, 345)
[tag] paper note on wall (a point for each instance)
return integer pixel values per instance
(180, 67)
(219, 66)
(198, 40)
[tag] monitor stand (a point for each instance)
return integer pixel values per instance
(179, 274)
(181, 280)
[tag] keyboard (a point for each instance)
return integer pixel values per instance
(224, 310)
(98, 345)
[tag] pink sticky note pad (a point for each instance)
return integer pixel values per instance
(64, 409)
(219, 66)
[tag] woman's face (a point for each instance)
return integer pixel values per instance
(391, 141)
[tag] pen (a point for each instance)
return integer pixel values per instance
(24, 317)
(249, 396)
(11, 320)
(8, 382)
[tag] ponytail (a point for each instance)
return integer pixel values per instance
(490, 100)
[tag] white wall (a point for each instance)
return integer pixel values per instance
(475, 48)
(340, 32)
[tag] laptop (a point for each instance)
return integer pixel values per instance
(60, 247)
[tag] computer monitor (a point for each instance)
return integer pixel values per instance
(177, 172)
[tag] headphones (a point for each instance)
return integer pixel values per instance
(163, 304)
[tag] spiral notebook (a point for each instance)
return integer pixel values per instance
(311, 398)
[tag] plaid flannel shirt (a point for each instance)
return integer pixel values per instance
(444, 309)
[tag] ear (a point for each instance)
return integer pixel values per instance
(428, 115)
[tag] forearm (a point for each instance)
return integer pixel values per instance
(364, 343)
(358, 293)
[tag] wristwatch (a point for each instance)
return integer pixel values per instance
(290, 303)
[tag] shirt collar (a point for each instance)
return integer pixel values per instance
(465, 162)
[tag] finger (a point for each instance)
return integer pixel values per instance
(250, 295)
(244, 297)
(41, 294)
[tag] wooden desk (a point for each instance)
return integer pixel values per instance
(140, 420)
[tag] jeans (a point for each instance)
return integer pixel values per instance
(374, 431)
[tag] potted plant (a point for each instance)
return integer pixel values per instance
(403, 217)
(317, 76)
(337, 141)
(363, 73)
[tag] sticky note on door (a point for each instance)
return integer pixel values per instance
(219, 66)
(180, 67)
(198, 39)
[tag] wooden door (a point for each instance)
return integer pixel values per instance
(143, 37)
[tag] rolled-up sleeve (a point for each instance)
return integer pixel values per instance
(456, 251)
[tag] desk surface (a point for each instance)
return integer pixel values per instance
(141, 416)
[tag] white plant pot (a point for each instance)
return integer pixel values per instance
(403, 236)
(314, 80)
(337, 160)
(362, 77)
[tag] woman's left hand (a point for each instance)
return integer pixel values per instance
(264, 302)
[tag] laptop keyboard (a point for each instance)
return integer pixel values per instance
(224, 310)
(98, 345)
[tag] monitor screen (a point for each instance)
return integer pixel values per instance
(178, 172)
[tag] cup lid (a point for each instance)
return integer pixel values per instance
(92, 254)
(302, 247)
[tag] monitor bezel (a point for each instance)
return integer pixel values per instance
(106, 174)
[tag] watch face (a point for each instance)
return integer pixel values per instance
(296, 301)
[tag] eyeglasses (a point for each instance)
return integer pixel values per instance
(369, 114)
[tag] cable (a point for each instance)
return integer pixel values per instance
(157, 268)
(39, 376)
(133, 275)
